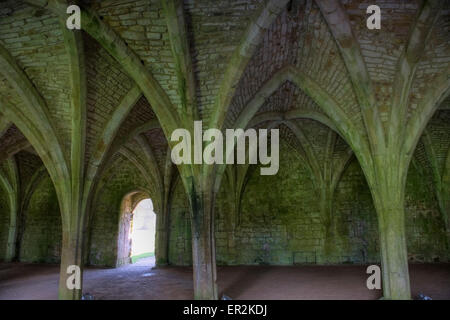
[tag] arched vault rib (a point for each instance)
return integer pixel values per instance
(329, 106)
(298, 114)
(311, 156)
(36, 178)
(437, 176)
(106, 139)
(238, 176)
(19, 80)
(13, 149)
(169, 174)
(11, 184)
(340, 167)
(110, 173)
(292, 115)
(33, 120)
(25, 198)
(154, 124)
(128, 59)
(73, 229)
(241, 57)
(117, 48)
(75, 50)
(446, 172)
(387, 172)
(109, 137)
(328, 157)
(176, 26)
(7, 187)
(325, 177)
(341, 29)
(446, 186)
(141, 165)
(437, 92)
(66, 169)
(407, 66)
(4, 125)
(150, 155)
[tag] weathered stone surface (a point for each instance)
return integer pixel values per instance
(71, 101)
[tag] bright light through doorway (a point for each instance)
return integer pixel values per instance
(143, 230)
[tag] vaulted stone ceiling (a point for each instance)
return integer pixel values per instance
(139, 69)
(299, 36)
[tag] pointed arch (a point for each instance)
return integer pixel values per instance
(128, 60)
(241, 57)
(437, 92)
(145, 168)
(116, 47)
(437, 175)
(13, 149)
(33, 120)
(74, 45)
(11, 184)
(407, 66)
(150, 155)
(107, 137)
(341, 29)
(4, 125)
(329, 106)
(176, 25)
(311, 156)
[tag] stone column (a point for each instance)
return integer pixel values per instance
(388, 194)
(326, 208)
(12, 232)
(201, 201)
(71, 255)
(162, 236)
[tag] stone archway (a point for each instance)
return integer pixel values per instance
(124, 243)
(143, 231)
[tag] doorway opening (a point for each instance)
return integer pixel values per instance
(137, 230)
(143, 231)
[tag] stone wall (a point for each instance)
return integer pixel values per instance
(106, 213)
(425, 229)
(356, 223)
(180, 247)
(4, 223)
(41, 240)
(280, 221)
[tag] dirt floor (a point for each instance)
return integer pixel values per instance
(143, 281)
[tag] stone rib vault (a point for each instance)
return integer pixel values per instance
(86, 118)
